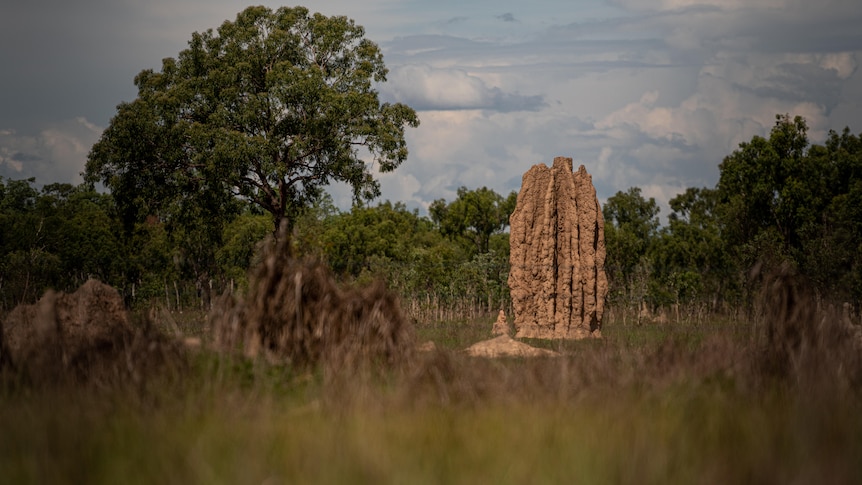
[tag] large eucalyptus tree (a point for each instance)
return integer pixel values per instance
(269, 109)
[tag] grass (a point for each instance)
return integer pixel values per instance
(455, 334)
(648, 404)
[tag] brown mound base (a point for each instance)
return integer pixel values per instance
(557, 278)
(66, 325)
(505, 346)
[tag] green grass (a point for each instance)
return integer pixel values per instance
(455, 334)
(650, 404)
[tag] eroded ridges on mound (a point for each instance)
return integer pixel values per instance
(557, 280)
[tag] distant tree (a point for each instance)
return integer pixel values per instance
(766, 192)
(783, 200)
(689, 258)
(27, 265)
(242, 237)
(355, 241)
(55, 238)
(268, 109)
(474, 216)
(631, 224)
(83, 234)
(631, 227)
(17, 195)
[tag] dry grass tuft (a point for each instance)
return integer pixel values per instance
(296, 313)
(801, 340)
(5, 354)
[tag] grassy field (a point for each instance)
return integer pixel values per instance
(645, 404)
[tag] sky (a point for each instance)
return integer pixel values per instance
(646, 93)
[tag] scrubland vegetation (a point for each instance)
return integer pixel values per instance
(731, 351)
(779, 200)
(771, 400)
(731, 348)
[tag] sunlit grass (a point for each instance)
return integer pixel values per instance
(455, 334)
(639, 406)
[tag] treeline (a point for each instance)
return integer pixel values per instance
(55, 238)
(452, 264)
(61, 235)
(780, 201)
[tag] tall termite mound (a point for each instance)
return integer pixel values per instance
(557, 279)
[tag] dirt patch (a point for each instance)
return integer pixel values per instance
(427, 346)
(506, 346)
(557, 278)
(295, 312)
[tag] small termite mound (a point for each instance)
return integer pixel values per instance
(84, 337)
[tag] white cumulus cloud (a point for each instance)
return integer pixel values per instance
(57, 153)
(428, 88)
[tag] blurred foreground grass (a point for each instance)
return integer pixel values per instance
(649, 404)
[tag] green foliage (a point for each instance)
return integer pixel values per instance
(366, 237)
(631, 225)
(474, 216)
(268, 109)
(56, 238)
(766, 189)
(831, 248)
(410, 253)
(242, 238)
(783, 200)
(690, 259)
(151, 264)
(162, 236)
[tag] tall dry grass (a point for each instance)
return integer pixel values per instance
(794, 344)
(295, 313)
(773, 401)
(803, 341)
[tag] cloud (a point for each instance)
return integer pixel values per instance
(737, 65)
(426, 88)
(668, 147)
(665, 5)
(58, 153)
(648, 93)
(654, 95)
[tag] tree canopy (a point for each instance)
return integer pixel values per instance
(631, 224)
(785, 201)
(780, 200)
(474, 216)
(268, 109)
